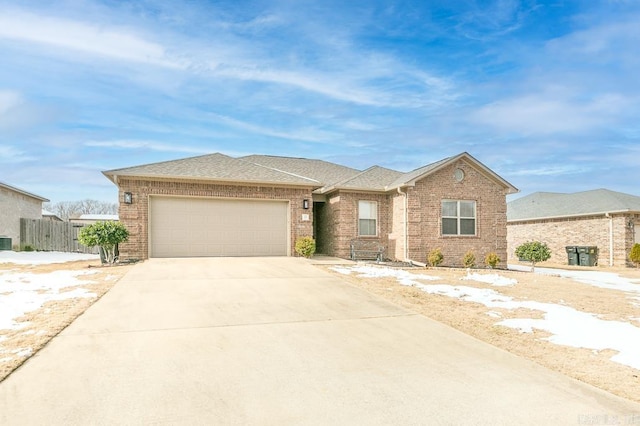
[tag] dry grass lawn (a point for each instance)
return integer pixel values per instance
(589, 366)
(46, 322)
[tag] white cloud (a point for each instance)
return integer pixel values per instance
(147, 145)
(95, 39)
(9, 155)
(546, 113)
(309, 134)
(8, 101)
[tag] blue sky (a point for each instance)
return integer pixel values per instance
(546, 93)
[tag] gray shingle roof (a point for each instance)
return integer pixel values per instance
(552, 204)
(321, 175)
(406, 178)
(216, 167)
(320, 171)
(375, 178)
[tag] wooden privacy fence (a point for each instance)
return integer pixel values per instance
(47, 235)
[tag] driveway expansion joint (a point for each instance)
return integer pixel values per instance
(326, 320)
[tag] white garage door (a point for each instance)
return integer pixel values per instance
(189, 227)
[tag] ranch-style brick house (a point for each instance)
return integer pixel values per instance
(599, 218)
(259, 205)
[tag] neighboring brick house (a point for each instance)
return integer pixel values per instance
(605, 219)
(215, 205)
(16, 203)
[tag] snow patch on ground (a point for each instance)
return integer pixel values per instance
(42, 257)
(24, 292)
(608, 280)
(568, 326)
(493, 279)
(404, 277)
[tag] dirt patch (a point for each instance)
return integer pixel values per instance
(16, 346)
(479, 321)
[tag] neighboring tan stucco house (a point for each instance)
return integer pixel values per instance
(16, 203)
(216, 205)
(599, 218)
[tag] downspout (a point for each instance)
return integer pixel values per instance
(406, 225)
(610, 238)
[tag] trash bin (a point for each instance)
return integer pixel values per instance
(5, 243)
(588, 255)
(572, 254)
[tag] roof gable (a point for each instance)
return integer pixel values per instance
(410, 178)
(547, 205)
(23, 192)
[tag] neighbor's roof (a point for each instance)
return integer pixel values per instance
(548, 205)
(23, 192)
(321, 175)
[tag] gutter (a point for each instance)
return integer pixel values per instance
(610, 238)
(606, 214)
(406, 225)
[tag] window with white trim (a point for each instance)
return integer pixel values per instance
(458, 217)
(367, 218)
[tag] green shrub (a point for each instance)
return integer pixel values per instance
(469, 260)
(106, 235)
(534, 252)
(27, 247)
(491, 260)
(305, 246)
(634, 256)
(435, 257)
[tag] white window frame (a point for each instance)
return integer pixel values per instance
(458, 217)
(362, 211)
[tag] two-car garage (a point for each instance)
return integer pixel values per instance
(191, 227)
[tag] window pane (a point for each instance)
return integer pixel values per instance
(467, 209)
(467, 227)
(450, 208)
(367, 227)
(449, 226)
(367, 210)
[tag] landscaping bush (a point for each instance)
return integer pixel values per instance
(469, 260)
(491, 260)
(634, 256)
(106, 235)
(435, 257)
(534, 252)
(305, 246)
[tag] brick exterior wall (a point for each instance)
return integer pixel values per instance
(135, 216)
(578, 231)
(339, 217)
(425, 208)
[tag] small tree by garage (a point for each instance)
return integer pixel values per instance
(106, 235)
(534, 252)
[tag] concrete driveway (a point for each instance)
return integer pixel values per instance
(277, 341)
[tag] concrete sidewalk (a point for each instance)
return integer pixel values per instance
(277, 341)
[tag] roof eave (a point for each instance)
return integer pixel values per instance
(206, 179)
(532, 219)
